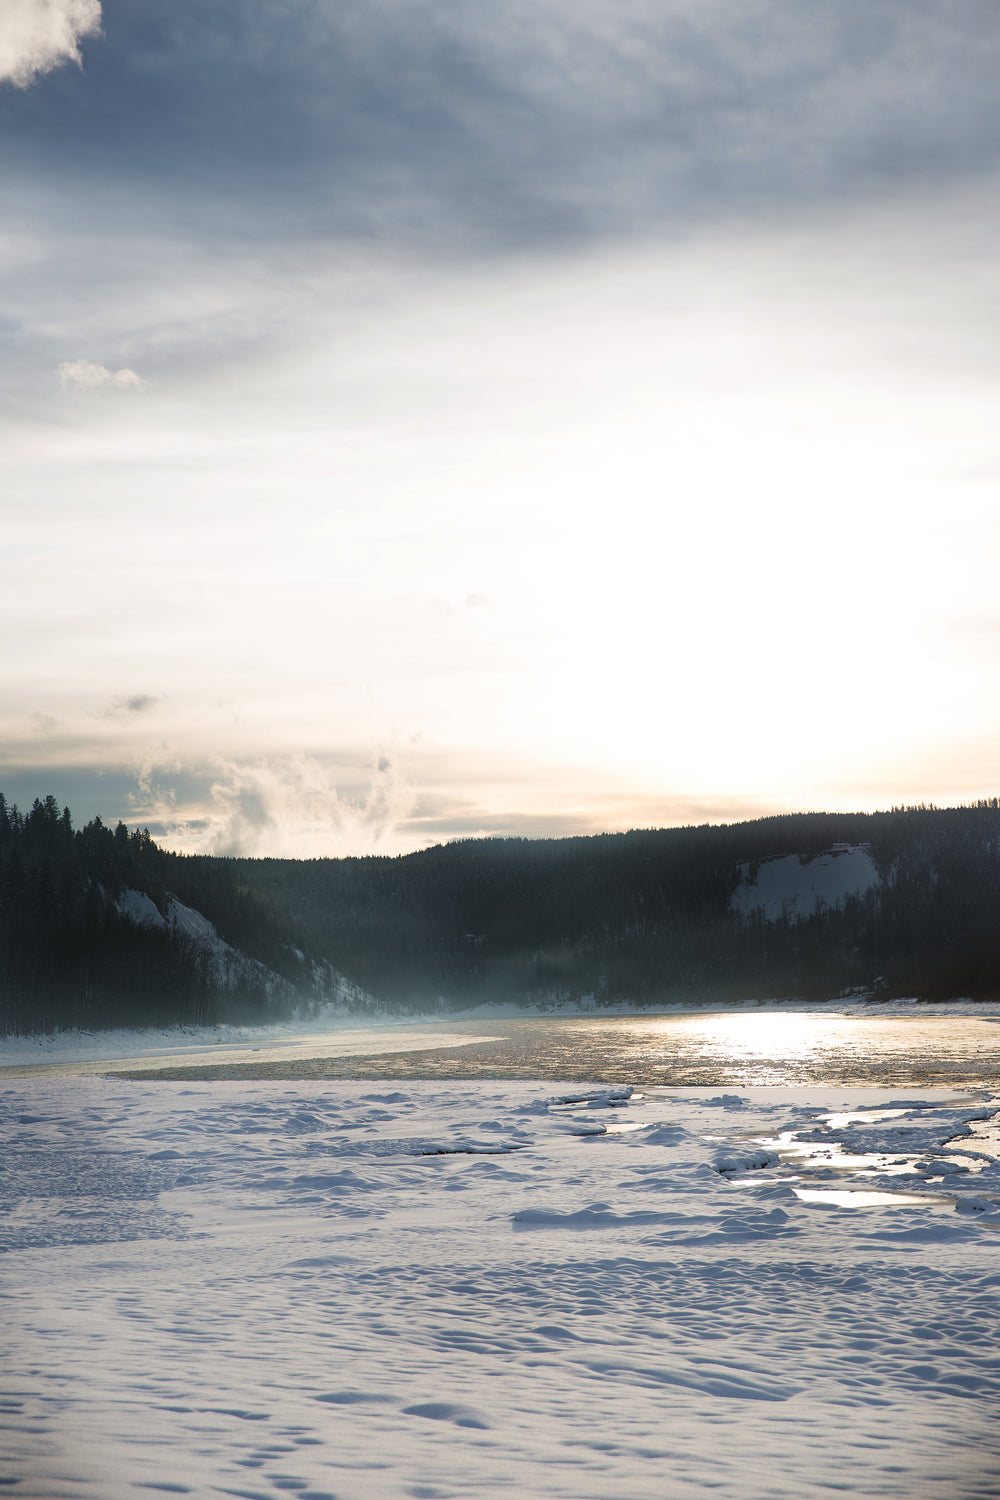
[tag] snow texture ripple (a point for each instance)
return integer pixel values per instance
(453, 1290)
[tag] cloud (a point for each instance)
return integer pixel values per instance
(135, 703)
(85, 375)
(452, 126)
(274, 206)
(38, 35)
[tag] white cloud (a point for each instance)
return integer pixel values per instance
(88, 376)
(38, 35)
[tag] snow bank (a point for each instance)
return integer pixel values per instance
(188, 1041)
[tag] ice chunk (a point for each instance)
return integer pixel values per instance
(746, 1161)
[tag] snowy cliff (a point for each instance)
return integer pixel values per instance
(227, 967)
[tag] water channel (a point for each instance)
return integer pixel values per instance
(921, 1046)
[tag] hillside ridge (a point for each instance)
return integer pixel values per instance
(102, 927)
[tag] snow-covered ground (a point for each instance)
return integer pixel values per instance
(460, 1290)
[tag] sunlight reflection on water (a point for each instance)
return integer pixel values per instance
(874, 1198)
(747, 1049)
(799, 1047)
(787, 1047)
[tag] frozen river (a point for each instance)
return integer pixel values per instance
(859, 1046)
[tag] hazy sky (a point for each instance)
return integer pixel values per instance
(424, 418)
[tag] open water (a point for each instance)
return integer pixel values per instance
(922, 1046)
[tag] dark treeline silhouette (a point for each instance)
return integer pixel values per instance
(70, 956)
(643, 917)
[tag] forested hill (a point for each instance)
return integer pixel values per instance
(100, 927)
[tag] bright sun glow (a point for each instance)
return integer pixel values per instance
(649, 534)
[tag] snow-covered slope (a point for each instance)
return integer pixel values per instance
(229, 967)
(320, 984)
(792, 886)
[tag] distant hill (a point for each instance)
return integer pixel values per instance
(101, 927)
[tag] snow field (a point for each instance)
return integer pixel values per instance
(455, 1290)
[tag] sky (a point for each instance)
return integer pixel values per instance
(421, 420)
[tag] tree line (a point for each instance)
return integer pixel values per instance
(643, 917)
(70, 956)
